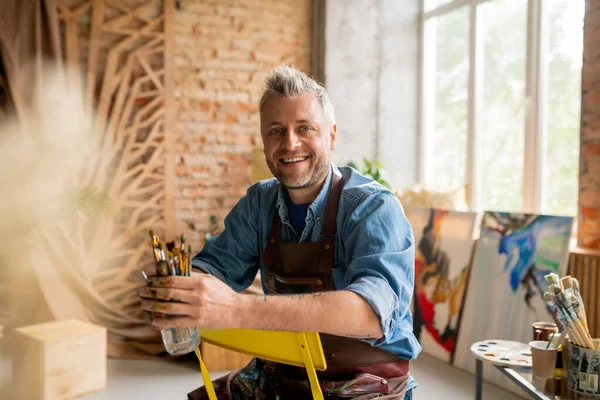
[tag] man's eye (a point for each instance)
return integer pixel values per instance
(276, 131)
(305, 128)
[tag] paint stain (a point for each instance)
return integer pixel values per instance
(490, 354)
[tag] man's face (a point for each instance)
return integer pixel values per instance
(297, 140)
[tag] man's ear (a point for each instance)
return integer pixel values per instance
(332, 134)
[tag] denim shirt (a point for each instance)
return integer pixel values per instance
(374, 249)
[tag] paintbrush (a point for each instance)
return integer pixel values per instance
(577, 293)
(161, 250)
(550, 299)
(182, 240)
(184, 257)
(554, 344)
(177, 261)
(577, 309)
(155, 251)
(565, 303)
(567, 285)
(552, 279)
(153, 238)
(189, 259)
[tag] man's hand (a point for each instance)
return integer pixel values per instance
(199, 300)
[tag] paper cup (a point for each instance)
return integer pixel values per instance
(543, 359)
(584, 371)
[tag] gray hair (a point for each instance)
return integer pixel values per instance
(289, 82)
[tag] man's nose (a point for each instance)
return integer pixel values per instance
(292, 140)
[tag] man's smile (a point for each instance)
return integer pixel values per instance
(293, 160)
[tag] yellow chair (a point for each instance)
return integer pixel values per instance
(302, 349)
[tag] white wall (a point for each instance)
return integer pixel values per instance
(371, 73)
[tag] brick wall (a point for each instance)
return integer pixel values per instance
(589, 179)
(223, 51)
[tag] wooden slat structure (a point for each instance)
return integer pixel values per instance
(116, 57)
(585, 266)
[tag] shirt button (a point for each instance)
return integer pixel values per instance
(272, 240)
(327, 247)
(319, 282)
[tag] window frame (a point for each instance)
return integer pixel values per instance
(535, 127)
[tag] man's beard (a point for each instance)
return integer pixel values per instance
(314, 174)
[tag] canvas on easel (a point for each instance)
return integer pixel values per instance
(443, 248)
(506, 285)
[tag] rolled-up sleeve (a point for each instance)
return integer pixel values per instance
(379, 254)
(233, 255)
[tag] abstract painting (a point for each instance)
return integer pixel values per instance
(444, 243)
(506, 285)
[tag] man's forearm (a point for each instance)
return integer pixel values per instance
(342, 313)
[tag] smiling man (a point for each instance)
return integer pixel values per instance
(335, 253)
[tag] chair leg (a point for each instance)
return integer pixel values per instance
(310, 367)
(210, 390)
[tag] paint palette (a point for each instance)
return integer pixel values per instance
(503, 352)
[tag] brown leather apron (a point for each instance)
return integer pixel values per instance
(295, 268)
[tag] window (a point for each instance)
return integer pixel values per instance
(448, 67)
(501, 94)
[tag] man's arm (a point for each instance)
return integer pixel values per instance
(341, 313)
(205, 301)
(232, 256)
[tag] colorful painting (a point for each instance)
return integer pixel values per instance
(506, 284)
(444, 242)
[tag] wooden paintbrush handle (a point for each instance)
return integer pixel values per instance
(587, 340)
(583, 317)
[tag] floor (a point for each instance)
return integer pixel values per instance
(153, 380)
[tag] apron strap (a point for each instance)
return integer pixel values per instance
(329, 230)
(272, 241)
(329, 225)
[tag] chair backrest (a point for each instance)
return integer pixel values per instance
(302, 349)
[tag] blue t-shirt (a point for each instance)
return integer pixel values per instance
(298, 216)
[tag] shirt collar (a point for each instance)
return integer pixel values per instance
(317, 207)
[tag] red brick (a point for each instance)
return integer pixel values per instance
(589, 212)
(591, 149)
(590, 132)
(590, 227)
(590, 242)
(592, 98)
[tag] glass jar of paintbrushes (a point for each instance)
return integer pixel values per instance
(175, 260)
(583, 360)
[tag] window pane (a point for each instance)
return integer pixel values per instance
(504, 29)
(432, 4)
(447, 73)
(565, 52)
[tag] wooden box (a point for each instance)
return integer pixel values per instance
(58, 360)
